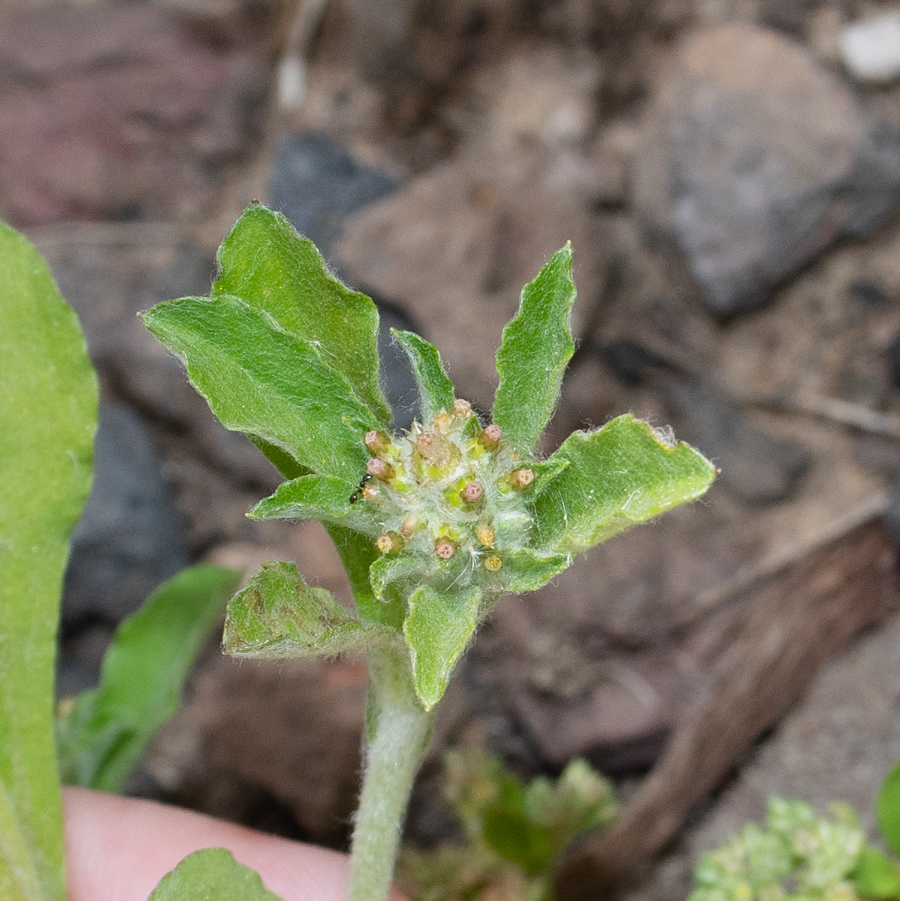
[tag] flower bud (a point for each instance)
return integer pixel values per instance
(485, 534)
(444, 548)
(461, 407)
(377, 442)
(388, 543)
(410, 525)
(492, 563)
(472, 492)
(520, 479)
(378, 469)
(489, 439)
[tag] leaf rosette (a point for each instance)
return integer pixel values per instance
(435, 524)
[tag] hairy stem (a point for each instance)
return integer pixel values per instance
(398, 730)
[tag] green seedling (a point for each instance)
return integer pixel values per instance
(434, 524)
(799, 856)
(513, 833)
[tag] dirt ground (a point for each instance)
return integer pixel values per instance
(730, 180)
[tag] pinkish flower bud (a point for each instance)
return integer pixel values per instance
(473, 492)
(461, 407)
(377, 442)
(410, 525)
(490, 437)
(444, 548)
(378, 469)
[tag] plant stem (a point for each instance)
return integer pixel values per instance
(398, 730)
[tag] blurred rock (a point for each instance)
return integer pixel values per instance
(127, 541)
(119, 111)
(254, 733)
(755, 159)
(316, 184)
(870, 48)
(454, 248)
(756, 466)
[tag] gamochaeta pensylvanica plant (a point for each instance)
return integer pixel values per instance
(433, 525)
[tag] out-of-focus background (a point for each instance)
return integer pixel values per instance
(729, 174)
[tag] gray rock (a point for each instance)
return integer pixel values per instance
(127, 541)
(755, 159)
(317, 184)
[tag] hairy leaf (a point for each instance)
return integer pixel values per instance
(324, 498)
(263, 381)
(212, 873)
(534, 351)
(272, 268)
(436, 391)
(618, 476)
(525, 570)
(48, 411)
(278, 615)
(143, 674)
(438, 627)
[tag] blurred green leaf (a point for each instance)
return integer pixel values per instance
(620, 475)
(263, 381)
(278, 615)
(211, 875)
(525, 570)
(48, 411)
(887, 809)
(876, 876)
(143, 675)
(436, 391)
(535, 349)
(273, 269)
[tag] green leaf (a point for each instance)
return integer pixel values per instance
(48, 411)
(271, 268)
(210, 875)
(390, 570)
(438, 627)
(516, 839)
(263, 381)
(144, 671)
(887, 809)
(278, 615)
(524, 570)
(876, 876)
(324, 498)
(534, 351)
(620, 475)
(436, 391)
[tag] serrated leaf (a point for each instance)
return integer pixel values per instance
(324, 498)
(212, 873)
(887, 809)
(437, 628)
(279, 616)
(48, 415)
(618, 476)
(273, 269)
(534, 351)
(524, 570)
(436, 391)
(876, 876)
(143, 674)
(263, 381)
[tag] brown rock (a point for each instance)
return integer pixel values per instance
(117, 111)
(455, 248)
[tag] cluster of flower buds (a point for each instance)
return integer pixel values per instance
(446, 489)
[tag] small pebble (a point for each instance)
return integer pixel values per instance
(870, 48)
